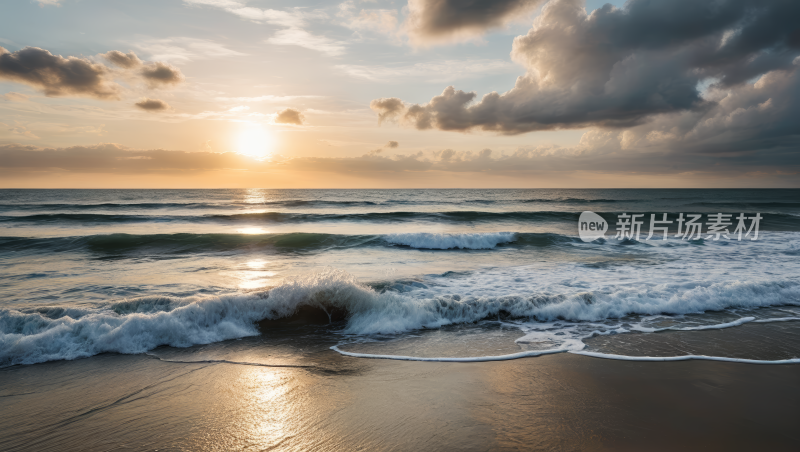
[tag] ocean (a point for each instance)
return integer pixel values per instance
(442, 275)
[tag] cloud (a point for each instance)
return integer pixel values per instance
(98, 130)
(431, 21)
(546, 160)
(152, 105)
(289, 116)
(379, 21)
(621, 67)
(751, 122)
(159, 74)
(302, 38)
(182, 49)
(389, 145)
(43, 3)
(375, 20)
(294, 20)
(22, 131)
(431, 72)
(15, 97)
(596, 154)
(114, 158)
(123, 60)
(55, 75)
(387, 108)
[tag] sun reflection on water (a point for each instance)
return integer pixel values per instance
(255, 279)
(255, 196)
(251, 231)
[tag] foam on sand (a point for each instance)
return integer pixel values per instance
(684, 358)
(575, 345)
(472, 359)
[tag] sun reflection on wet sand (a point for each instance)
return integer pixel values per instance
(270, 408)
(334, 403)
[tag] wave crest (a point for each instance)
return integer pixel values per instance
(445, 241)
(136, 326)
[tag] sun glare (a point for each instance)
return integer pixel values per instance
(255, 142)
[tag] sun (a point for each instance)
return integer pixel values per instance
(255, 142)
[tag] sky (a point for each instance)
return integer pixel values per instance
(399, 94)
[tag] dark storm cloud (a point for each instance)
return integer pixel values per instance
(127, 61)
(159, 74)
(620, 67)
(56, 75)
(432, 20)
(289, 116)
(152, 105)
(753, 118)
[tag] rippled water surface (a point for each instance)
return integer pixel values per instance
(454, 274)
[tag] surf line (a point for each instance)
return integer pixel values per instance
(529, 354)
(534, 353)
(474, 359)
(684, 358)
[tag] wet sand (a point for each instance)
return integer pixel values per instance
(556, 402)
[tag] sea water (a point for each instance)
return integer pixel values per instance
(447, 275)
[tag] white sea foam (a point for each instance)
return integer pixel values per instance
(529, 354)
(444, 241)
(139, 325)
(720, 326)
(471, 359)
(779, 319)
(685, 358)
(27, 338)
(563, 338)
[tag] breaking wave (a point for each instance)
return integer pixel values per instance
(135, 326)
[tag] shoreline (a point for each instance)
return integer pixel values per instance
(564, 402)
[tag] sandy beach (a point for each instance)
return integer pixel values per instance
(556, 402)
